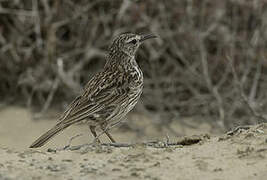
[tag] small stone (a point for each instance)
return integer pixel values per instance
(116, 169)
(135, 174)
(51, 150)
(67, 160)
(217, 169)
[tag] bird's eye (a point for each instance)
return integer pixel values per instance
(133, 41)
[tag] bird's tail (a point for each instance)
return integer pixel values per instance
(48, 135)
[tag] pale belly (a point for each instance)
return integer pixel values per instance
(122, 110)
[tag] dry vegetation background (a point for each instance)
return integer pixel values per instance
(209, 63)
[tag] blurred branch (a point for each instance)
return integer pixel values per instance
(213, 89)
(45, 44)
(245, 99)
(18, 12)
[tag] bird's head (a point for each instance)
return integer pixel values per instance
(128, 43)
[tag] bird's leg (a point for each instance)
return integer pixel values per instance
(110, 137)
(93, 131)
(103, 127)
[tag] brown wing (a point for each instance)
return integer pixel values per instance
(100, 98)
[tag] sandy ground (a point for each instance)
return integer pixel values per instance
(240, 155)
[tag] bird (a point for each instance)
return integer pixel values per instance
(110, 94)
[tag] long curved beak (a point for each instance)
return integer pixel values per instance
(147, 36)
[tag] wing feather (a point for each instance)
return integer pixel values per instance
(101, 96)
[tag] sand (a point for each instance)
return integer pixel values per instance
(238, 155)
